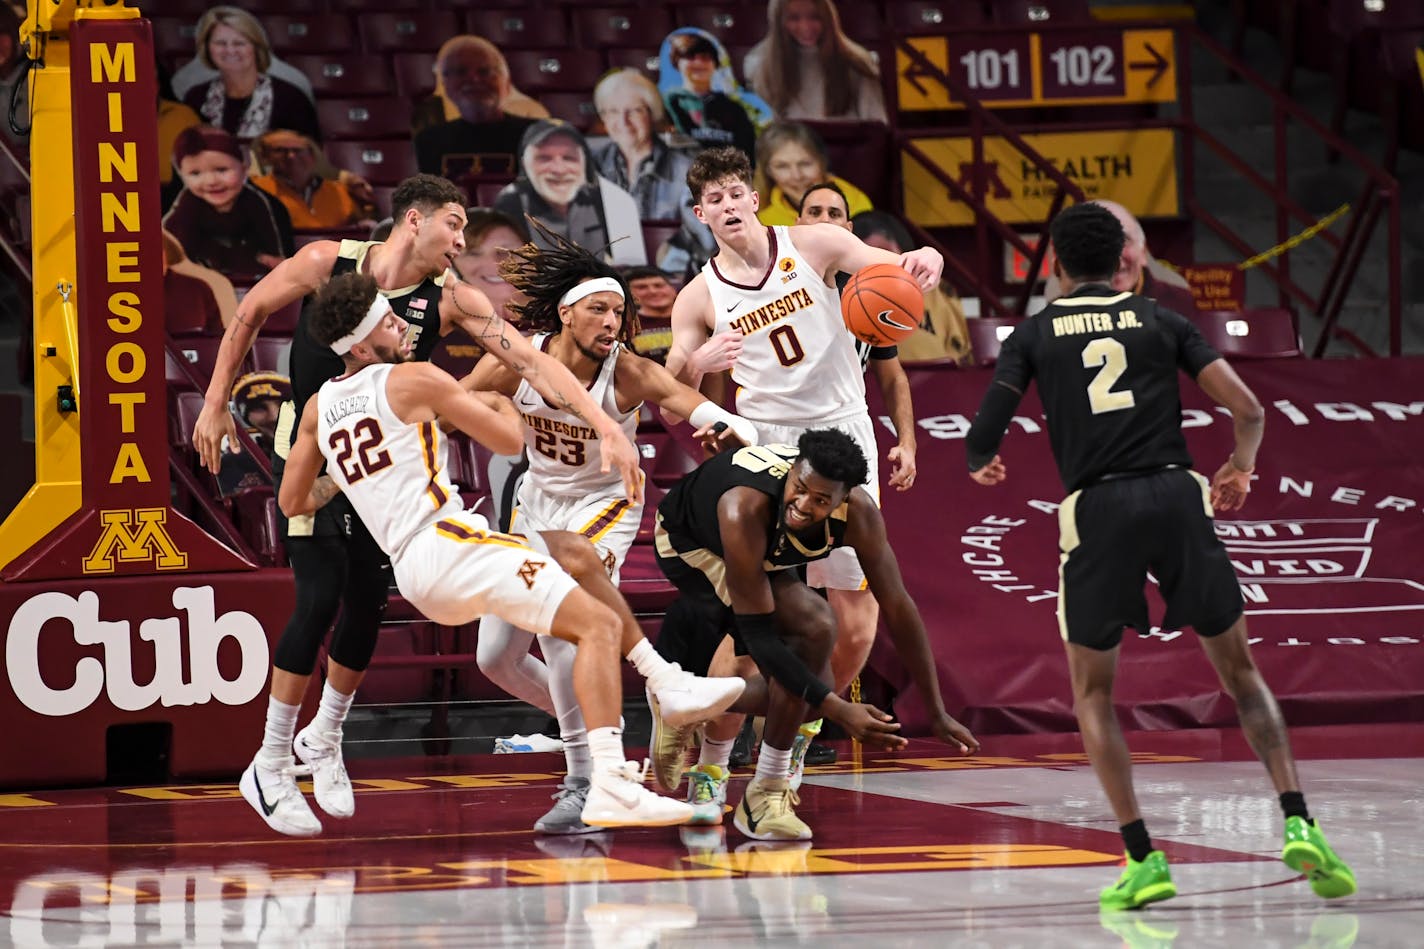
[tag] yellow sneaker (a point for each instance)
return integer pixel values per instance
(767, 812)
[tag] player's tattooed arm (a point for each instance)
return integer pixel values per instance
(490, 330)
(323, 490)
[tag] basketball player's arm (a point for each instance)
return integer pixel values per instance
(418, 391)
(1011, 378)
(895, 391)
(742, 516)
(643, 380)
(303, 492)
(471, 310)
(491, 375)
(290, 280)
(833, 250)
(695, 352)
(1232, 481)
(866, 535)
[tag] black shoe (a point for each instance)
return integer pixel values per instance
(820, 754)
(742, 747)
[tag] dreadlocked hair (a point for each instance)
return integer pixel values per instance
(545, 274)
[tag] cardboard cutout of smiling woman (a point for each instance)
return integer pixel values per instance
(558, 186)
(702, 95)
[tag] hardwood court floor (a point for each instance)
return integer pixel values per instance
(920, 849)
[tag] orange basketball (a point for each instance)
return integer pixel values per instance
(882, 304)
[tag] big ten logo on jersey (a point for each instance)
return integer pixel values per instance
(787, 266)
(233, 903)
(161, 639)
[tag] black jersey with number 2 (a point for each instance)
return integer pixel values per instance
(1106, 364)
(689, 511)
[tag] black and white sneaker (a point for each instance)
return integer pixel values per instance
(274, 795)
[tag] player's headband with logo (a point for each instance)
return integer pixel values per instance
(590, 287)
(379, 308)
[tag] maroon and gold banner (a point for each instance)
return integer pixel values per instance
(1217, 287)
(1327, 550)
(125, 525)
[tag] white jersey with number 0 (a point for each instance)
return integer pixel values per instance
(393, 472)
(564, 454)
(798, 360)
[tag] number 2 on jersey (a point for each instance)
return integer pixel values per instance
(1112, 356)
(367, 461)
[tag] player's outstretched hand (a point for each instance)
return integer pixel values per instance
(951, 732)
(866, 724)
(718, 354)
(992, 473)
(616, 451)
(926, 265)
(1229, 487)
(718, 437)
(902, 468)
(214, 425)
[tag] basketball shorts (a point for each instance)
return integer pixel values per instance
(841, 570)
(610, 522)
(1112, 534)
(459, 569)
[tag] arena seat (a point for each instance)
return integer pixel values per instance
(415, 74)
(174, 37)
(933, 16)
(310, 33)
(606, 27)
(547, 28)
(987, 334)
(576, 108)
(733, 23)
(346, 74)
(644, 61)
(271, 353)
(283, 321)
(377, 6)
(1254, 333)
(569, 70)
(363, 119)
(381, 162)
(862, 22)
(1039, 12)
(859, 153)
(410, 31)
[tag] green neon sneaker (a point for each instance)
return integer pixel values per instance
(1140, 884)
(1307, 852)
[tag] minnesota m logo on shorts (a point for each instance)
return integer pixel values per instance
(530, 571)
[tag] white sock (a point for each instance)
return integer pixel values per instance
(559, 656)
(606, 746)
(280, 730)
(331, 714)
(772, 763)
(716, 752)
(647, 661)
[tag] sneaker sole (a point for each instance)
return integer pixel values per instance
(662, 770)
(642, 822)
(567, 830)
(709, 712)
(1152, 893)
(1304, 857)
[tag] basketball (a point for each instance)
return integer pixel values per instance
(882, 304)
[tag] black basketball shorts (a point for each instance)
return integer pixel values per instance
(1112, 534)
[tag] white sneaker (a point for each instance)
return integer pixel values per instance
(274, 795)
(687, 699)
(321, 751)
(617, 798)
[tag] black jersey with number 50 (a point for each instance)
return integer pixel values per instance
(1106, 363)
(689, 511)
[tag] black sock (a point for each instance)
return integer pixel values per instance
(1134, 835)
(1293, 803)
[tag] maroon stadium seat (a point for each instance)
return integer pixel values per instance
(270, 352)
(415, 74)
(310, 33)
(735, 24)
(345, 74)
(987, 334)
(605, 27)
(379, 162)
(569, 70)
(1264, 333)
(934, 16)
(364, 119)
(1040, 12)
(413, 31)
(522, 28)
(576, 108)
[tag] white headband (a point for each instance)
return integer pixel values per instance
(590, 287)
(379, 308)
